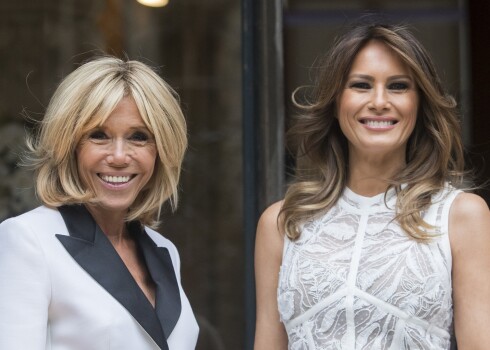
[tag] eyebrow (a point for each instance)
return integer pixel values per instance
(131, 127)
(370, 78)
(139, 127)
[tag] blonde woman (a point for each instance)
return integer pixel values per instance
(87, 270)
(375, 245)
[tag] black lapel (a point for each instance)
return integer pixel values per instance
(91, 249)
(168, 304)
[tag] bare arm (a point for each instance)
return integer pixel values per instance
(469, 232)
(269, 331)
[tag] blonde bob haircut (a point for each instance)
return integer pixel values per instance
(434, 155)
(82, 102)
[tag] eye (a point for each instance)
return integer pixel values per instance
(97, 135)
(398, 86)
(360, 85)
(139, 137)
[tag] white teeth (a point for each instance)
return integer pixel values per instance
(379, 124)
(115, 179)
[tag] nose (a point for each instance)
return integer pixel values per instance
(119, 153)
(379, 99)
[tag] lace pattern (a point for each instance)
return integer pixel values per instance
(355, 280)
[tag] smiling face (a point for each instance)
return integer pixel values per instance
(377, 109)
(117, 159)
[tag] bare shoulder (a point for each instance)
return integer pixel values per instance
(469, 221)
(269, 239)
(469, 205)
(269, 217)
(268, 228)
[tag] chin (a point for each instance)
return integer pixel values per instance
(113, 206)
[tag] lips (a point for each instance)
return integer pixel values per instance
(116, 179)
(378, 123)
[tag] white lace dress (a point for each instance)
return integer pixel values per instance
(355, 280)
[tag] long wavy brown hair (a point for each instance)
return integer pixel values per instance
(434, 155)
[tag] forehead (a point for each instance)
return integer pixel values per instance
(124, 112)
(377, 58)
(124, 115)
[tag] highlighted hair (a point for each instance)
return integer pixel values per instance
(434, 155)
(84, 100)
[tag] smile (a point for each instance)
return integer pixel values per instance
(379, 123)
(115, 179)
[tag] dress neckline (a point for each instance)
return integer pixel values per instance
(363, 202)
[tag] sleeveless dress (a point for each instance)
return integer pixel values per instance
(355, 280)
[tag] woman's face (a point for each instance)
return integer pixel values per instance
(378, 106)
(117, 159)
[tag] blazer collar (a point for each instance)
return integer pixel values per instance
(91, 249)
(168, 304)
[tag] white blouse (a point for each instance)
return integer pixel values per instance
(356, 280)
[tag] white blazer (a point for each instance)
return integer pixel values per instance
(64, 287)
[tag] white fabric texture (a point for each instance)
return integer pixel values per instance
(48, 302)
(355, 280)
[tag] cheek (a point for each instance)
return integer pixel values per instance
(150, 167)
(411, 112)
(345, 117)
(83, 169)
(86, 157)
(149, 159)
(348, 105)
(412, 105)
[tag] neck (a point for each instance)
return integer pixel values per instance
(113, 224)
(371, 175)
